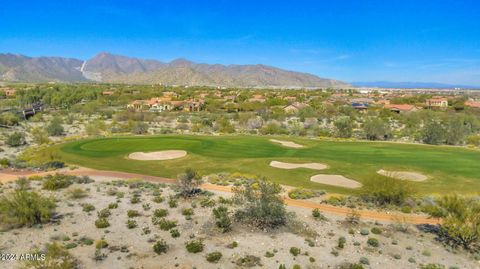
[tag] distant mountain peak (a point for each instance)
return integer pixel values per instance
(108, 67)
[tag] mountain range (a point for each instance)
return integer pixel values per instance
(411, 85)
(106, 67)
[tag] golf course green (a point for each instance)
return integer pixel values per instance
(450, 169)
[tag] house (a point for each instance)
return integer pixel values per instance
(139, 105)
(472, 104)
(290, 98)
(9, 92)
(108, 93)
(400, 108)
(193, 105)
(294, 108)
(437, 102)
(257, 98)
(360, 106)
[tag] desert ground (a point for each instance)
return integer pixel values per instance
(400, 245)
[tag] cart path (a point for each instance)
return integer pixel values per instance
(6, 176)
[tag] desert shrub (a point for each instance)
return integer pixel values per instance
(373, 242)
(23, 207)
(194, 246)
(88, 207)
(101, 244)
(295, 251)
(174, 233)
(55, 128)
(160, 247)
(112, 205)
(351, 266)
(131, 224)
(269, 254)
(364, 231)
(188, 182)
(172, 202)
(158, 199)
(336, 200)
(146, 206)
(207, 202)
(187, 211)
(232, 245)
(248, 261)
(135, 200)
(160, 213)
(461, 220)
(353, 217)
(386, 190)
(302, 193)
(432, 266)
(77, 193)
(85, 241)
(214, 257)
(222, 218)
(133, 213)
(104, 213)
(102, 223)
(364, 260)
(167, 224)
(261, 206)
(15, 140)
(56, 256)
(341, 242)
(57, 181)
(376, 230)
(318, 215)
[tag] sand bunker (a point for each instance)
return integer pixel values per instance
(336, 180)
(282, 165)
(287, 143)
(158, 155)
(403, 175)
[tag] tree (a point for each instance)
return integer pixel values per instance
(140, 128)
(261, 204)
(40, 136)
(433, 133)
(55, 127)
(455, 131)
(344, 127)
(188, 182)
(386, 190)
(15, 140)
(375, 129)
(222, 218)
(461, 219)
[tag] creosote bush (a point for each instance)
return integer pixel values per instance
(261, 205)
(194, 246)
(222, 218)
(23, 207)
(386, 190)
(102, 223)
(160, 247)
(214, 257)
(188, 182)
(57, 181)
(56, 256)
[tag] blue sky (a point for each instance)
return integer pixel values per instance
(430, 41)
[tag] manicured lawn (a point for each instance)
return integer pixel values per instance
(450, 169)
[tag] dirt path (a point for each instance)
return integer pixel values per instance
(6, 176)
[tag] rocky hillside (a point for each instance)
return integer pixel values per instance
(106, 67)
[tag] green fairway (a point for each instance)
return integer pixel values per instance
(450, 169)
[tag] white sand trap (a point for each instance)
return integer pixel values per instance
(289, 144)
(282, 165)
(336, 180)
(158, 155)
(403, 175)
